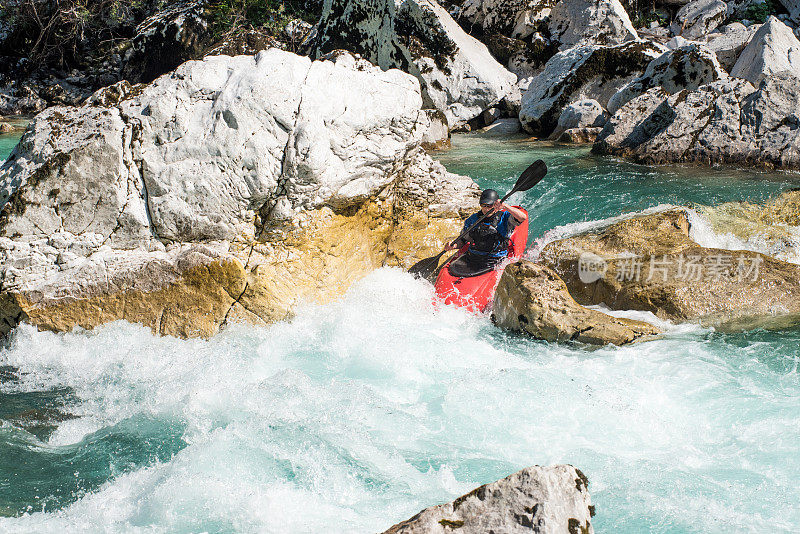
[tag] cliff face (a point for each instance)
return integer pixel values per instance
(226, 190)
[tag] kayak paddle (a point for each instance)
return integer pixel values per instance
(529, 177)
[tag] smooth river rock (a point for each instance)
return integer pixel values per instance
(650, 263)
(457, 73)
(728, 121)
(548, 500)
(588, 71)
(774, 48)
(227, 190)
(584, 113)
(533, 299)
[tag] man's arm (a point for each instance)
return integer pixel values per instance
(517, 213)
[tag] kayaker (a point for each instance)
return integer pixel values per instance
(489, 240)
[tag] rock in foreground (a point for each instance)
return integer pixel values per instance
(531, 298)
(549, 500)
(650, 263)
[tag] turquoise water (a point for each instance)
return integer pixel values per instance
(359, 413)
(7, 143)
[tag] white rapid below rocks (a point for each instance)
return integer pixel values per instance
(223, 191)
(357, 414)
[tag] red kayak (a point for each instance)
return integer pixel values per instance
(476, 292)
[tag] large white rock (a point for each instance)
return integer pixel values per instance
(548, 500)
(773, 48)
(218, 150)
(603, 22)
(457, 73)
(687, 67)
(592, 71)
(729, 41)
(698, 18)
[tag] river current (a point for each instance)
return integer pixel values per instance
(356, 414)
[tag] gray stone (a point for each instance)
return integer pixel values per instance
(600, 22)
(729, 42)
(549, 500)
(437, 136)
(698, 18)
(580, 114)
(502, 127)
(687, 67)
(773, 48)
(514, 18)
(727, 121)
(593, 71)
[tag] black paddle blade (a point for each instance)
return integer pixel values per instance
(425, 268)
(531, 176)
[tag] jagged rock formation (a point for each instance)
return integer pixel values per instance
(729, 42)
(687, 67)
(531, 298)
(226, 190)
(598, 22)
(727, 121)
(772, 49)
(457, 73)
(549, 500)
(650, 263)
(513, 18)
(594, 71)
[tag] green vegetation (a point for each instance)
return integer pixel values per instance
(760, 12)
(62, 33)
(271, 16)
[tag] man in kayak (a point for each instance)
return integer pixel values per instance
(489, 240)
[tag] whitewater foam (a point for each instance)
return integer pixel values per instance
(359, 413)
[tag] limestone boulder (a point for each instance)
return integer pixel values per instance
(584, 113)
(457, 73)
(227, 190)
(728, 121)
(437, 135)
(651, 263)
(591, 71)
(793, 7)
(537, 499)
(729, 41)
(687, 67)
(598, 22)
(502, 128)
(531, 298)
(774, 48)
(583, 135)
(698, 18)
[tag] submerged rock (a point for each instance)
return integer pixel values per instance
(552, 499)
(650, 263)
(598, 22)
(457, 73)
(727, 121)
(687, 67)
(591, 71)
(531, 298)
(226, 190)
(773, 48)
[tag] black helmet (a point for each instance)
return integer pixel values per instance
(489, 197)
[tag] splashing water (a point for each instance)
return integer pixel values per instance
(359, 413)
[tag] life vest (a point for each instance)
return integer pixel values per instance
(486, 238)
